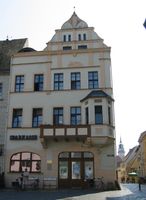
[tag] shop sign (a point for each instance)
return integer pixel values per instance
(23, 137)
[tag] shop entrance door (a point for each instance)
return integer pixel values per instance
(74, 168)
(76, 173)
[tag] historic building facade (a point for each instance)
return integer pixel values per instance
(7, 49)
(142, 155)
(61, 109)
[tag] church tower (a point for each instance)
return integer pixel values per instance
(121, 151)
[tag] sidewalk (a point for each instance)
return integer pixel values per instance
(127, 192)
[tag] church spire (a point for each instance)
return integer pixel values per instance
(121, 151)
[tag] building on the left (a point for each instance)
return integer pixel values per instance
(7, 49)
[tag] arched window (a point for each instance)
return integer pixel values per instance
(69, 38)
(22, 160)
(79, 37)
(84, 36)
(64, 38)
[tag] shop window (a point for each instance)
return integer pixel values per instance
(63, 169)
(25, 160)
(88, 167)
(76, 169)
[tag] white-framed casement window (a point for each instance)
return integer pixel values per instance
(19, 83)
(75, 115)
(58, 116)
(98, 115)
(93, 80)
(37, 117)
(17, 118)
(1, 90)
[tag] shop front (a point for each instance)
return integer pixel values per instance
(75, 169)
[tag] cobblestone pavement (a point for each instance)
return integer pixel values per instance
(127, 192)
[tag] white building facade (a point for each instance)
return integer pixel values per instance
(7, 49)
(61, 109)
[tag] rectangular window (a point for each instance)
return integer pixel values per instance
(98, 115)
(82, 47)
(1, 90)
(79, 37)
(67, 48)
(57, 116)
(88, 167)
(63, 169)
(37, 117)
(75, 117)
(69, 38)
(58, 81)
(64, 38)
(92, 80)
(17, 118)
(75, 80)
(19, 83)
(109, 115)
(87, 115)
(84, 36)
(76, 170)
(38, 82)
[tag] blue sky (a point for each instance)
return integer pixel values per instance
(118, 22)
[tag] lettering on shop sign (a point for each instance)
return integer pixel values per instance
(23, 137)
